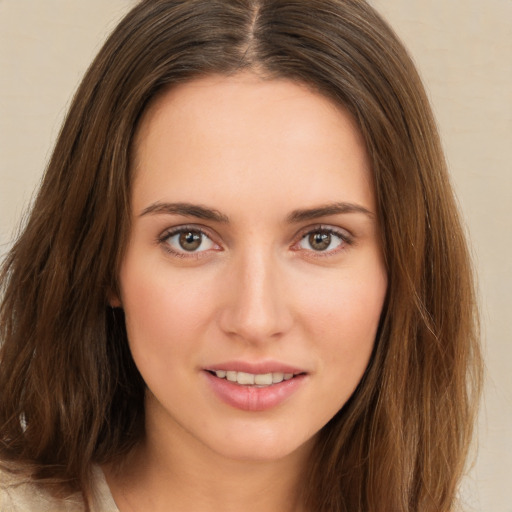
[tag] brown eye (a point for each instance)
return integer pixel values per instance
(319, 241)
(190, 240)
(186, 240)
(324, 240)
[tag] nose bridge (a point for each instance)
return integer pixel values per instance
(257, 309)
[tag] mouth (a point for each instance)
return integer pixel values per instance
(255, 387)
(257, 380)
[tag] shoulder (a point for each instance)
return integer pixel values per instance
(21, 494)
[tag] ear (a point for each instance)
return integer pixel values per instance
(113, 299)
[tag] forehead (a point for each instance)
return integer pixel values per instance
(247, 132)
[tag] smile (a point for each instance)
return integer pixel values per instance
(259, 391)
(252, 379)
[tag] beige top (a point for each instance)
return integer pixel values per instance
(20, 495)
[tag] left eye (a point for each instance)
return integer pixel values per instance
(322, 240)
(188, 240)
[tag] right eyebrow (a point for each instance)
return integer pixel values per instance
(185, 209)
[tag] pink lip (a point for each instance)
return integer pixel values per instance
(251, 398)
(256, 368)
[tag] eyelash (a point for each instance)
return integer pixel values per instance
(163, 240)
(345, 240)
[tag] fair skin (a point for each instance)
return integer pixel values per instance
(254, 250)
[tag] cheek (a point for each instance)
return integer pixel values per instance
(163, 309)
(344, 318)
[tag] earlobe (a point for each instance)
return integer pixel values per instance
(113, 300)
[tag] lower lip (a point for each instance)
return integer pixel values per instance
(251, 398)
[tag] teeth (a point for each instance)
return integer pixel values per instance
(263, 379)
(231, 376)
(250, 379)
(245, 378)
(277, 377)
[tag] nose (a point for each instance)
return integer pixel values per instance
(257, 306)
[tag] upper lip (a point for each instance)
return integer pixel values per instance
(256, 368)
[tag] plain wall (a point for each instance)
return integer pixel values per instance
(463, 49)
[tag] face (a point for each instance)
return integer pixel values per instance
(253, 280)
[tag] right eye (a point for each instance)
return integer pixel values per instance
(185, 241)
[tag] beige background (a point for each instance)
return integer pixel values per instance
(464, 51)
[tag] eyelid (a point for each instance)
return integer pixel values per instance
(346, 237)
(170, 232)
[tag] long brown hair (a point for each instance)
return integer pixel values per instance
(71, 395)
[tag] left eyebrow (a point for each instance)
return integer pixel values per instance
(328, 209)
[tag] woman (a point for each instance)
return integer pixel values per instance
(244, 282)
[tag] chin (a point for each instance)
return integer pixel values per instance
(260, 445)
